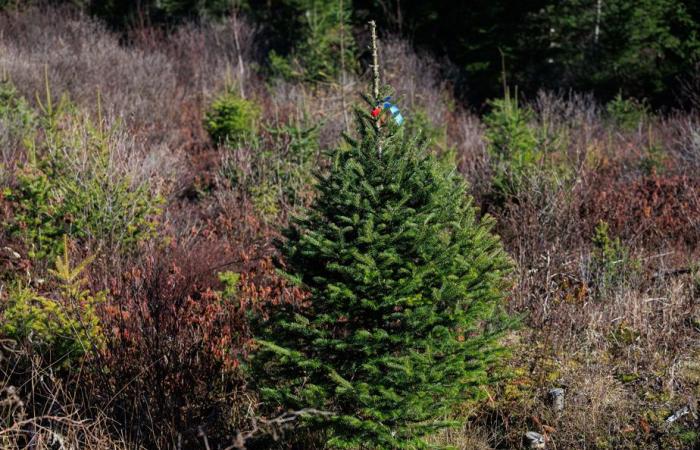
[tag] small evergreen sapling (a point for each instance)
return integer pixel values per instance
(62, 324)
(405, 284)
(70, 185)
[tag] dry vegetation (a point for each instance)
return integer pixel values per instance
(612, 317)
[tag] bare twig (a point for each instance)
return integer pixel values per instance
(203, 435)
(273, 427)
(16, 427)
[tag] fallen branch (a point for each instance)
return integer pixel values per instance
(273, 427)
(672, 272)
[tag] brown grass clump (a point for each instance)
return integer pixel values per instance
(40, 409)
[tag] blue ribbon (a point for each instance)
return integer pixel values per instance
(394, 110)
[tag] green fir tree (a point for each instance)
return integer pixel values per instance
(405, 283)
(323, 45)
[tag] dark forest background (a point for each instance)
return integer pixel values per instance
(647, 49)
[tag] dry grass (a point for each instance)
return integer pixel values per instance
(38, 410)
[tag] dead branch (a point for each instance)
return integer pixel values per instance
(273, 427)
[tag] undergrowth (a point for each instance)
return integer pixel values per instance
(597, 204)
(70, 186)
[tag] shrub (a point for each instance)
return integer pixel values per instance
(611, 262)
(17, 122)
(176, 336)
(626, 113)
(232, 119)
(63, 325)
(297, 154)
(280, 66)
(654, 211)
(435, 135)
(279, 175)
(71, 186)
(512, 144)
(403, 316)
(324, 42)
(13, 107)
(653, 158)
(266, 200)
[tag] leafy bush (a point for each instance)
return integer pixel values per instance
(652, 161)
(405, 284)
(70, 186)
(232, 119)
(176, 336)
(280, 66)
(654, 211)
(230, 280)
(62, 325)
(435, 135)
(297, 148)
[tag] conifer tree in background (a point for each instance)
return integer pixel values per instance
(322, 40)
(403, 319)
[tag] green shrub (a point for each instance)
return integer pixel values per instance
(405, 283)
(654, 157)
(527, 151)
(14, 108)
(230, 280)
(512, 145)
(17, 126)
(70, 187)
(297, 154)
(62, 325)
(611, 262)
(281, 66)
(626, 113)
(323, 42)
(232, 120)
(266, 199)
(435, 135)
(653, 160)
(35, 212)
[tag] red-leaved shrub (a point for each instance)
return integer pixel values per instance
(652, 210)
(171, 372)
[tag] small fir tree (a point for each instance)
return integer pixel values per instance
(512, 145)
(403, 318)
(324, 46)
